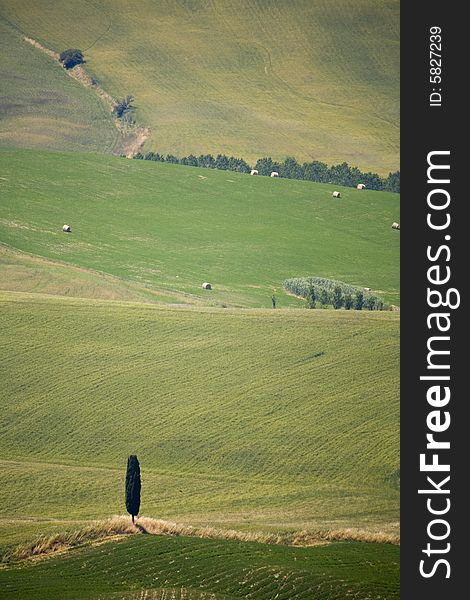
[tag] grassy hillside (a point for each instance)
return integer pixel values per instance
(40, 107)
(317, 80)
(264, 419)
(139, 569)
(169, 228)
(20, 272)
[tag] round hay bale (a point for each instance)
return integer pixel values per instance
(206, 285)
(66, 228)
(336, 194)
(361, 186)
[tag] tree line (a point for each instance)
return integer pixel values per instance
(290, 168)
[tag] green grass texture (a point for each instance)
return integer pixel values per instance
(311, 79)
(269, 420)
(157, 568)
(168, 228)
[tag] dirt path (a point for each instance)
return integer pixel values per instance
(131, 138)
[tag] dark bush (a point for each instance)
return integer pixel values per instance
(123, 106)
(71, 57)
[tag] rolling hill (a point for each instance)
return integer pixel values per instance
(315, 80)
(257, 417)
(264, 421)
(260, 420)
(40, 107)
(167, 228)
(268, 420)
(258, 430)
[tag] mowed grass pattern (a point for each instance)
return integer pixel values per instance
(264, 419)
(170, 228)
(314, 80)
(154, 568)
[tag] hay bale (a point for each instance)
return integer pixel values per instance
(253, 172)
(361, 186)
(206, 285)
(66, 228)
(274, 174)
(336, 194)
(395, 225)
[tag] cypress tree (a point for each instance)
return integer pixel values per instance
(338, 300)
(311, 297)
(359, 301)
(324, 298)
(348, 302)
(133, 486)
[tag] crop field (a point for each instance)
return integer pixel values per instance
(169, 228)
(41, 107)
(315, 80)
(268, 440)
(267, 422)
(261, 419)
(158, 568)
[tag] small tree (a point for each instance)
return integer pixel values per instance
(123, 106)
(324, 298)
(133, 486)
(311, 297)
(71, 57)
(221, 162)
(359, 301)
(337, 297)
(370, 303)
(348, 302)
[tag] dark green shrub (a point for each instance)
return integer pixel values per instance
(71, 57)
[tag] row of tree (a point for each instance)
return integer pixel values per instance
(358, 301)
(330, 292)
(221, 161)
(341, 174)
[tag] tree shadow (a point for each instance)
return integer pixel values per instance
(141, 528)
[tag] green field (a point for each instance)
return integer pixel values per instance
(311, 79)
(259, 420)
(168, 228)
(268, 439)
(155, 568)
(243, 417)
(265, 419)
